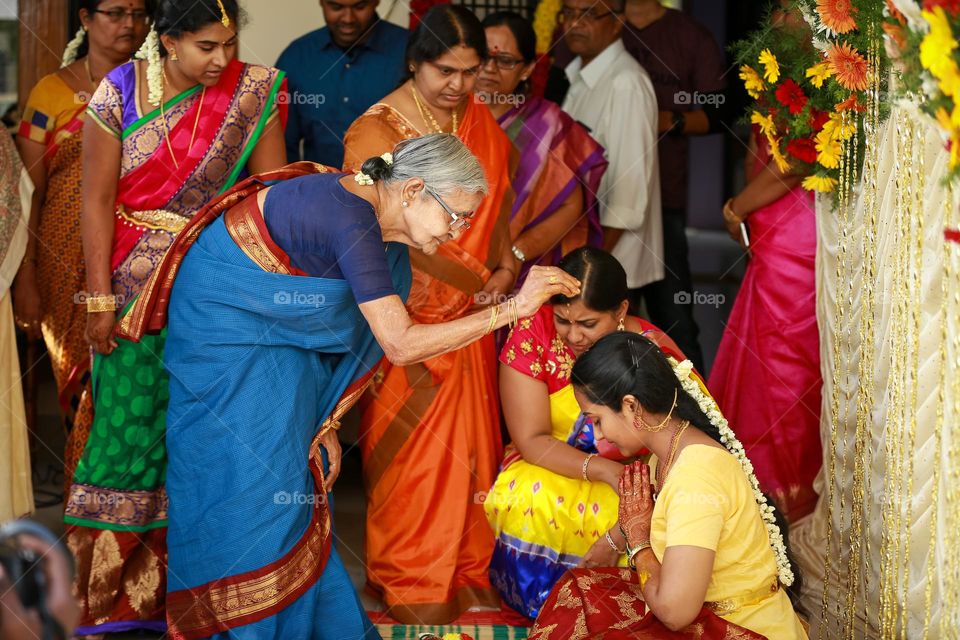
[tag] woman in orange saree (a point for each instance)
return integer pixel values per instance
(430, 432)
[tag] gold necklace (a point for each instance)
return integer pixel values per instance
(674, 445)
(166, 128)
(86, 66)
(427, 115)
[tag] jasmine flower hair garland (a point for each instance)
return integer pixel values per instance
(729, 440)
(70, 53)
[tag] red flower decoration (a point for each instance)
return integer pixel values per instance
(818, 119)
(950, 6)
(791, 96)
(803, 149)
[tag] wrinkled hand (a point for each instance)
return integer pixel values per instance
(331, 443)
(636, 503)
(100, 331)
(27, 309)
(543, 283)
(600, 554)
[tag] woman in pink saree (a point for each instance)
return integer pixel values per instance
(766, 376)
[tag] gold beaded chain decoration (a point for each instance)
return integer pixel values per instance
(950, 599)
(892, 388)
(937, 430)
(890, 567)
(915, 307)
(842, 276)
(865, 370)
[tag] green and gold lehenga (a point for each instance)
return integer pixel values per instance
(116, 511)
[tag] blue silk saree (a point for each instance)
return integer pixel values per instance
(262, 360)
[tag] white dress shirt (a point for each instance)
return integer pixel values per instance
(614, 97)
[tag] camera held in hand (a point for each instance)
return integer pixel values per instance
(23, 569)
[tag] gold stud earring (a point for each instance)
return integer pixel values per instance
(403, 203)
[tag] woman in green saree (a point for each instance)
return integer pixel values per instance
(168, 134)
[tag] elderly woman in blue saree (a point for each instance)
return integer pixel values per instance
(280, 299)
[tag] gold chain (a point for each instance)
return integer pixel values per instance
(427, 116)
(166, 129)
(662, 471)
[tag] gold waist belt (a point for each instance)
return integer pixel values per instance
(154, 219)
(730, 605)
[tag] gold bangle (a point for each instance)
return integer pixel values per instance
(98, 304)
(512, 312)
(494, 316)
(631, 562)
(586, 465)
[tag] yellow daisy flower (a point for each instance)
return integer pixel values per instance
(771, 68)
(936, 49)
(824, 184)
(835, 129)
(828, 150)
(765, 123)
(782, 164)
(819, 73)
(752, 81)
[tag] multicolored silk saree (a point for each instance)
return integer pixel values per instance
(116, 511)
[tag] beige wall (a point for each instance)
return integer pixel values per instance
(273, 24)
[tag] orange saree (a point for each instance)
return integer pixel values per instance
(430, 432)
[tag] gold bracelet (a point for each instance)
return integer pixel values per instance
(512, 312)
(98, 304)
(494, 316)
(631, 562)
(586, 464)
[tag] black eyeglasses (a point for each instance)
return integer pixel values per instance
(460, 221)
(569, 14)
(118, 15)
(503, 61)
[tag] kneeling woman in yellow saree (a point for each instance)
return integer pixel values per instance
(707, 552)
(277, 312)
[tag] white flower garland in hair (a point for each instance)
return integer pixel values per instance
(70, 53)
(150, 51)
(709, 407)
(363, 179)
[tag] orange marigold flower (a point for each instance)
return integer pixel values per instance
(850, 103)
(837, 15)
(849, 67)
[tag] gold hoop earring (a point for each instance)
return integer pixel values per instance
(653, 428)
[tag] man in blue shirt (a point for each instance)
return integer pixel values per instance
(335, 73)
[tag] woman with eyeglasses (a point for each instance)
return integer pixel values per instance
(168, 133)
(279, 301)
(430, 434)
(559, 166)
(49, 139)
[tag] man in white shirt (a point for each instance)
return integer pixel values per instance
(612, 95)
